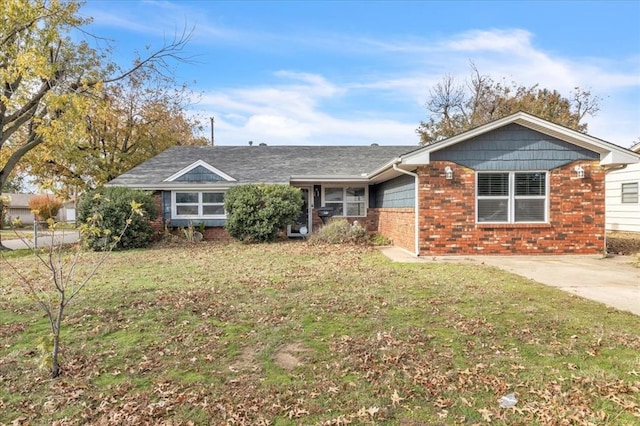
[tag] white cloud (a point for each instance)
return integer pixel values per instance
(299, 108)
(503, 41)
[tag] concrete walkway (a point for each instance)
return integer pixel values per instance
(613, 281)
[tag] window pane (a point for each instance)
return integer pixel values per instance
(529, 211)
(355, 209)
(337, 208)
(212, 210)
(630, 192)
(333, 194)
(493, 211)
(355, 194)
(186, 197)
(530, 183)
(212, 197)
(187, 210)
(493, 184)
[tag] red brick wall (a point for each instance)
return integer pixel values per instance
(157, 224)
(216, 233)
(447, 215)
(397, 224)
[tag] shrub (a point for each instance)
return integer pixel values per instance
(4, 208)
(113, 206)
(380, 240)
(258, 212)
(45, 206)
(340, 231)
(16, 223)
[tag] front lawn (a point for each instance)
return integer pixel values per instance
(291, 333)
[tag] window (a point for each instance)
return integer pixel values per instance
(512, 197)
(198, 205)
(346, 201)
(630, 192)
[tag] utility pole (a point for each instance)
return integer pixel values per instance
(212, 120)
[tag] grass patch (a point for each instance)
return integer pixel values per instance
(295, 333)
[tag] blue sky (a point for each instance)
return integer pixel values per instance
(359, 72)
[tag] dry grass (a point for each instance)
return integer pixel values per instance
(292, 333)
(625, 243)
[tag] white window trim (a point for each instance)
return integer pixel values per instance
(344, 201)
(622, 193)
(200, 204)
(511, 198)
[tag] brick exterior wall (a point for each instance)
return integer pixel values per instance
(216, 233)
(397, 224)
(447, 215)
(157, 224)
(448, 224)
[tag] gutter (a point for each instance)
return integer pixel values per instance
(615, 168)
(416, 207)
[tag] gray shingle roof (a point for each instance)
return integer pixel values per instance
(269, 164)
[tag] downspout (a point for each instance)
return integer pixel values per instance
(416, 207)
(606, 171)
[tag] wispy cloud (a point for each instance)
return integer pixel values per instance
(291, 113)
(382, 98)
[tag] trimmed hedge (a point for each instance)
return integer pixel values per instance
(257, 213)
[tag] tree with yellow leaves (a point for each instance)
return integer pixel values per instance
(48, 81)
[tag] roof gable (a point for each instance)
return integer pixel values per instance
(610, 154)
(200, 171)
(513, 147)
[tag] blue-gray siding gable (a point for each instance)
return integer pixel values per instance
(397, 192)
(199, 174)
(513, 147)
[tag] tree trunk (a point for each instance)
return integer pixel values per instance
(2, 218)
(55, 366)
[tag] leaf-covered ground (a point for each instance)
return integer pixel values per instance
(623, 243)
(291, 333)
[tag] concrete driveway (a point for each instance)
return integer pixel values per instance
(612, 281)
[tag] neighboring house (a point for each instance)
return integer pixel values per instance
(68, 212)
(623, 197)
(517, 185)
(19, 209)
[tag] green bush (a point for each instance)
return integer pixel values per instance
(258, 212)
(112, 207)
(340, 231)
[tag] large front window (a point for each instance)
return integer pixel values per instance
(511, 197)
(190, 205)
(346, 201)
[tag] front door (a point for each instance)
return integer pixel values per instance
(302, 225)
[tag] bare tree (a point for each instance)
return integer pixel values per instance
(63, 277)
(454, 108)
